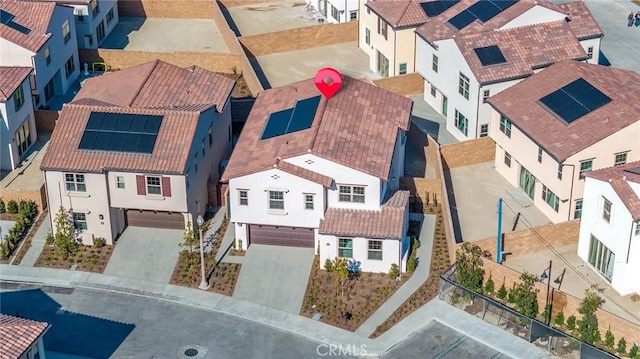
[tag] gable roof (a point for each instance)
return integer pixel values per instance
(399, 13)
(552, 41)
(582, 22)
(35, 16)
(18, 334)
(619, 178)
(388, 222)
(10, 79)
(520, 104)
(180, 96)
(357, 128)
(302, 172)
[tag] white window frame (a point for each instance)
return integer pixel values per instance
(540, 154)
(347, 193)
(637, 231)
(484, 130)
(577, 212)
(75, 182)
(550, 198)
(276, 200)
(80, 221)
(109, 16)
(585, 166)
(434, 63)
(400, 71)
(309, 201)
(47, 55)
(560, 171)
(372, 253)
(507, 159)
(485, 95)
(120, 182)
(620, 158)
(463, 85)
(152, 187)
(461, 122)
(346, 247)
(367, 36)
(590, 52)
(18, 98)
(243, 197)
(607, 207)
(601, 258)
(505, 126)
(433, 91)
(69, 67)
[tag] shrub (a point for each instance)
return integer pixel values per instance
(328, 265)
(49, 239)
(633, 352)
(571, 322)
(3, 208)
(394, 272)
(411, 263)
(469, 270)
(490, 286)
(502, 292)
(4, 250)
(28, 209)
(622, 346)
(546, 314)
(559, 319)
(99, 242)
(12, 207)
(609, 339)
(587, 330)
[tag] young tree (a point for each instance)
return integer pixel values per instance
(64, 238)
(525, 295)
(622, 346)
(633, 352)
(609, 339)
(587, 329)
(190, 237)
(341, 269)
(469, 267)
(490, 286)
(502, 292)
(559, 319)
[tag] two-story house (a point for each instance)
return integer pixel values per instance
(95, 19)
(18, 127)
(22, 338)
(610, 227)
(337, 11)
(324, 174)
(476, 49)
(40, 35)
(139, 147)
(554, 127)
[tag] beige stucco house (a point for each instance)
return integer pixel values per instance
(561, 123)
(138, 147)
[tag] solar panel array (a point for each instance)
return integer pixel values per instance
(574, 100)
(7, 19)
(483, 10)
(490, 55)
(298, 118)
(121, 132)
(435, 8)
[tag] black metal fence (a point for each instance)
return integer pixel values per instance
(498, 314)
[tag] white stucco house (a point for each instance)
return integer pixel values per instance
(337, 11)
(324, 174)
(464, 59)
(139, 147)
(610, 227)
(22, 338)
(18, 127)
(558, 125)
(94, 19)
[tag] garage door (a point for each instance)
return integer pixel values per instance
(153, 219)
(281, 236)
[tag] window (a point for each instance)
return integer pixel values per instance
(540, 154)
(47, 55)
(23, 137)
(402, 68)
(353, 15)
(202, 148)
(601, 258)
(69, 67)
(590, 52)
(153, 185)
(585, 166)
(100, 32)
(120, 182)
(375, 250)
(210, 136)
(560, 171)
(507, 159)
(66, 33)
(637, 231)
(345, 248)
(308, 201)
(49, 90)
(484, 130)
(244, 197)
(89, 39)
(229, 132)
(433, 91)
(461, 123)
(335, 13)
(434, 63)
(109, 16)
(606, 210)
(95, 9)
(621, 158)
(550, 198)
(75, 182)
(79, 221)
(195, 162)
(577, 214)
(276, 200)
(463, 85)
(18, 98)
(383, 64)
(382, 28)
(505, 126)
(367, 36)
(485, 95)
(351, 194)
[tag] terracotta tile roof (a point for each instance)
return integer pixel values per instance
(525, 49)
(399, 13)
(34, 15)
(619, 178)
(357, 128)
(179, 101)
(519, 103)
(10, 79)
(18, 334)
(302, 172)
(583, 24)
(388, 222)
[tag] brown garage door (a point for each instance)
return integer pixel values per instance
(153, 219)
(281, 236)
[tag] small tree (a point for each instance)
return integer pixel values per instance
(328, 265)
(560, 319)
(64, 237)
(394, 271)
(190, 238)
(609, 339)
(587, 329)
(341, 269)
(490, 286)
(502, 292)
(622, 346)
(633, 352)
(571, 322)
(412, 263)
(469, 267)
(525, 295)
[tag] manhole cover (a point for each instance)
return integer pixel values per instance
(191, 352)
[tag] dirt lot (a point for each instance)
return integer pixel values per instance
(269, 17)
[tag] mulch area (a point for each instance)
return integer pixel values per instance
(87, 259)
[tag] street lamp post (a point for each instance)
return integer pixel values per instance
(204, 284)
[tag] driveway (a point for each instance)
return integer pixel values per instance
(146, 253)
(275, 276)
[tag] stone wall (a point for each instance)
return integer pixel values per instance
(405, 85)
(468, 152)
(238, 3)
(175, 9)
(46, 120)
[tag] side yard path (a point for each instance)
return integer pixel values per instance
(37, 243)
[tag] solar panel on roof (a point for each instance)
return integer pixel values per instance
(277, 124)
(435, 8)
(120, 132)
(298, 118)
(490, 55)
(461, 20)
(574, 100)
(7, 19)
(483, 10)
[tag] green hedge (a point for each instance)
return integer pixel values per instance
(27, 212)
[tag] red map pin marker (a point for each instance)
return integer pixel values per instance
(328, 81)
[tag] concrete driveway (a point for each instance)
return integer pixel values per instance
(275, 276)
(146, 253)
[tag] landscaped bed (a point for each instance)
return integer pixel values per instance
(87, 258)
(27, 241)
(23, 213)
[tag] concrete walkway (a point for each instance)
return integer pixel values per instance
(412, 284)
(37, 243)
(288, 322)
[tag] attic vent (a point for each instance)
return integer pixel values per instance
(309, 162)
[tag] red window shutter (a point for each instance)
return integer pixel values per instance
(166, 186)
(142, 186)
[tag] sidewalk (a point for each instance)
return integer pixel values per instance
(411, 285)
(37, 243)
(307, 328)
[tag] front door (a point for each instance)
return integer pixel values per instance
(444, 105)
(527, 182)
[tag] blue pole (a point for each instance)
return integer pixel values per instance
(499, 249)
